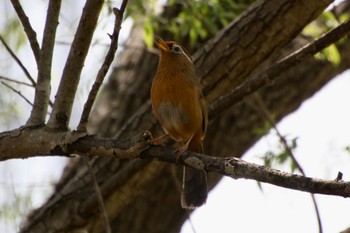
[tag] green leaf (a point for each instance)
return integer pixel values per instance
(148, 33)
(343, 17)
(312, 30)
(332, 54)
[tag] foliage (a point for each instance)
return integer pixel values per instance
(281, 155)
(15, 208)
(327, 21)
(196, 21)
(278, 155)
(13, 33)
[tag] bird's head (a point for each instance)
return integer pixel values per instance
(172, 48)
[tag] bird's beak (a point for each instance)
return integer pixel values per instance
(161, 44)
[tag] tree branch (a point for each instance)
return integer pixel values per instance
(65, 144)
(266, 77)
(237, 168)
(43, 87)
(99, 197)
(17, 92)
(267, 115)
(71, 74)
(15, 81)
(104, 68)
(18, 61)
(31, 34)
(35, 141)
(255, 40)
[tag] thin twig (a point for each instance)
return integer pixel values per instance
(267, 115)
(22, 83)
(272, 73)
(43, 89)
(31, 34)
(15, 81)
(104, 68)
(101, 204)
(17, 92)
(18, 61)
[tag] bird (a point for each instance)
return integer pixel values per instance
(180, 107)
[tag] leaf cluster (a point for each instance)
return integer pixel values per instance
(281, 156)
(327, 21)
(195, 21)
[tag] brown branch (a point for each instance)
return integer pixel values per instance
(43, 88)
(18, 61)
(22, 83)
(31, 34)
(237, 168)
(71, 74)
(35, 141)
(61, 143)
(122, 176)
(17, 92)
(99, 196)
(15, 81)
(266, 77)
(104, 68)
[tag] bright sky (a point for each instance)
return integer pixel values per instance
(321, 124)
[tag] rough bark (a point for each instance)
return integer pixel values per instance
(144, 192)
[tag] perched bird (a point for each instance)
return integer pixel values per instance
(180, 107)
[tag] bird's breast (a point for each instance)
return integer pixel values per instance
(175, 102)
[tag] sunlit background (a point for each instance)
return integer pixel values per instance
(321, 126)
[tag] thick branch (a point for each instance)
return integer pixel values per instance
(74, 143)
(31, 34)
(40, 141)
(266, 27)
(71, 74)
(269, 75)
(43, 88)
(104, 68)
(237, 168)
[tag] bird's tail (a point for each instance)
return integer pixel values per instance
(194, 186)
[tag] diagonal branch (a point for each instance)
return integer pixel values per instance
(98, 196)
(18, 61)
(31, 34)
(273, 73)
(71, 74)
(17, 92)
(43, 88)
(267, 115)
(104, 68)
(15, 81)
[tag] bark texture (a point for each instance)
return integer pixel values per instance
(142, 192)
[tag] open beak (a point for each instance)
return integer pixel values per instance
(161, 44)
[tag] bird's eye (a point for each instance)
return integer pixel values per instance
(176, 49)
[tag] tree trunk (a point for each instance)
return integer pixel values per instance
(143, 192)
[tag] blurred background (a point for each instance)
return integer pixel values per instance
(320, 129)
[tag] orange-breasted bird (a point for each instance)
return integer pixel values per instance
(180, 107)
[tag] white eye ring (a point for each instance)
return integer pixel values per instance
(176, 48)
